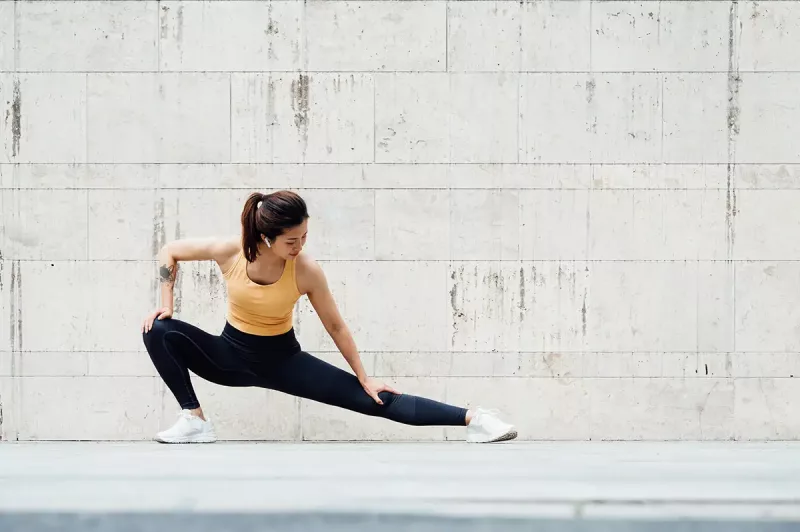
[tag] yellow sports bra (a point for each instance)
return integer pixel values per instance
(264, 310)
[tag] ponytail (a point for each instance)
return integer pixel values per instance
(250, 233)
(269, 215)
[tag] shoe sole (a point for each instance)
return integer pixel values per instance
(198, 440)
(510, 435)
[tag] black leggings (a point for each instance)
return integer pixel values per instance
(235, 358)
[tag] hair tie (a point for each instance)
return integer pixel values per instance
(258, 206)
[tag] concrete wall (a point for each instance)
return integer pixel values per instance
(583, 213)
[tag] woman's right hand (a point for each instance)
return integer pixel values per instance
(161, 314)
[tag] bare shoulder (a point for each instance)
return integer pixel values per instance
(309, 273)
(225, 251)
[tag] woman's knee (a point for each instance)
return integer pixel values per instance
(387, 397)
(156, 332)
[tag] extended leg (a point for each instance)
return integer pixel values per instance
(306, 376)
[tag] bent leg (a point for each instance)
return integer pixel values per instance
(175, 347)
(303, 375)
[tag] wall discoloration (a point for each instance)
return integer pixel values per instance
(270, 31)
(178, 288)
(733, 86)
(16, 119)
(12, 326)
(164, 22)
(158, 240)
(300, 89)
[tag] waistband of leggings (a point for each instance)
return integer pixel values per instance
(280, 343)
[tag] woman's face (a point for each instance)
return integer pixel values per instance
(291, 242)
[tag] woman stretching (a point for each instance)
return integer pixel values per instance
(265, 275)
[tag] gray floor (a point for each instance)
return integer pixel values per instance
(360, 486)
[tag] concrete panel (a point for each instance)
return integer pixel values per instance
(394, 364)
(767, 225)
(398, 176)
(314, 118)
(189, 112)
(766, 117)
(121, 224)
(342, 224)
(8, 42)
(105, 36)
(656, 225)
(540, 365)
(767, 176)
(486, 133)
(770, 36)
(200, 295)
(433, 118)
(107, 317)
(116, 408)
(44, 224)
(767, 306)
(620, 312)
(645, 176)
(716, 321)
(695, 118)
(780, 365)
(386, 305)
(484, 224)
(51, 364)
(661, 409)
(197, 213)
(9, 397)
(628, 118)
(766, 409)
(263, 177)
(483, 36)
(360, 36)
(557, 123)
(519, 176)
(7, 303)
(541, 211)
(231, 36)
(508, 306)
(676, 35)
(120, 364)
(555, 36)
(71, 176)
(241, 413)
(412, 115)
(324, 422)
(44, 118)
(412, 224)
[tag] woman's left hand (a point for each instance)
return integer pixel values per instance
(373, 387)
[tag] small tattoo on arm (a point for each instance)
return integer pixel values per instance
(167, 273)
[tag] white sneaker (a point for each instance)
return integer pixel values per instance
(486, 427)
(188, 429)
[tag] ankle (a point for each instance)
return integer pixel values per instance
(468, 417)
(198, 412)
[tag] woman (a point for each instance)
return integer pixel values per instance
(265, 275)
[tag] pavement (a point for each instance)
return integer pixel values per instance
(265, 486)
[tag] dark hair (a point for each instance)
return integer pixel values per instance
(269, 215)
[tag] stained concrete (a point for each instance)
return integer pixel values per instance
(357, 486)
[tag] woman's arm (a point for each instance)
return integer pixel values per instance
(220, 250)
(313, 283)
